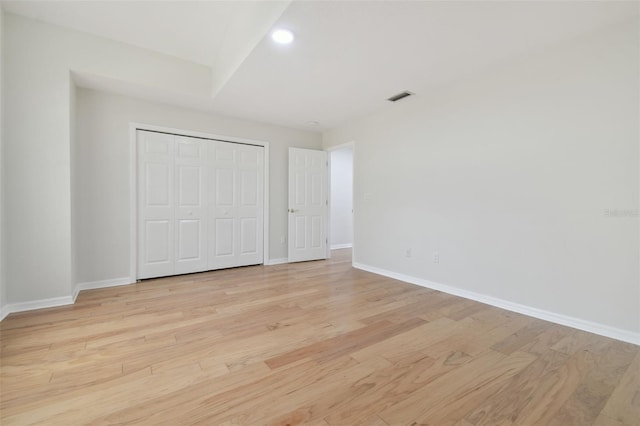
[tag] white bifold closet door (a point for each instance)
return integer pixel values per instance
(200, 204)
(236, 196)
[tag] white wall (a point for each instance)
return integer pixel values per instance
(508, 175)
(73, 175)
(37, 150)
(102, 165)
(341, 232)
(3, 296)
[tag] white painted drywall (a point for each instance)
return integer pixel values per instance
(3, 296)
(102, 164)
(73, 176)
(509, 175)
(37, 132)
(341, 216)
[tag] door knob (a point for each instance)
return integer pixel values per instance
(292, 210)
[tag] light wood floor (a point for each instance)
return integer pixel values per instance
(311, 343)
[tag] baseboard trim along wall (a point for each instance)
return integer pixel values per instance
(278, 261)
(341, 246)
(35, 304)
(591, 327)
(92, 285)
(64, 300)
(70, 300)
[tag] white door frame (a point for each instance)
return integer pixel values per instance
(133, 191)
(351, 145)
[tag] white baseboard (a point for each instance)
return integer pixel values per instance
(592, 327)
(3, 312)
(61, 301)
(341, 246)
(35, 304)
(92, 285)
(279, 261)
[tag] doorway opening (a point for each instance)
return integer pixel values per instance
(341, 197)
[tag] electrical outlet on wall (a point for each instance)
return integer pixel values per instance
(436, 257)
(408, 253)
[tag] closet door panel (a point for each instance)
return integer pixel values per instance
(223, 243)
(250, 169)
(248, 236)
(190, 205)
(155, 205)
(222, 211)
(157, 241)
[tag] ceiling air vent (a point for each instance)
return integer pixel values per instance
(402, 95)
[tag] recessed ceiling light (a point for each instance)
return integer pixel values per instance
(313, 123)
(282, 36)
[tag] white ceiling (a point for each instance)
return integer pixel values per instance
(218, 34)
(190, 30)
(348, 57)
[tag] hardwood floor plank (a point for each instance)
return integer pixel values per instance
(624, 403)
(417, 339)
(345, 343)
(450, 397)
(604, 420)
(584, 406)
(374, 421)
(209, 403)
(521, 337)
(314, 401)
(504, 406)
(391, 386)
(315, 343)
(555, 389)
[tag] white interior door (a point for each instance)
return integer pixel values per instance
(237, 192)
(307, 204)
